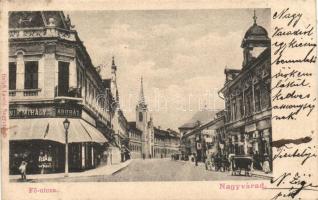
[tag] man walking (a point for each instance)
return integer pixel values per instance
(22, 169)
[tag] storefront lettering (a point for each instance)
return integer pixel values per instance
(68, 112)
(29, 112)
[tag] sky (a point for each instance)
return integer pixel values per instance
(181, 55)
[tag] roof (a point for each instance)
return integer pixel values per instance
(256, 34)
(202, 116)
(38, 19)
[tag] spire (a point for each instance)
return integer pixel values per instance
(141, 95)
(254, 17)
(113, 63)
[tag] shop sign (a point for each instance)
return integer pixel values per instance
(250, 128)
(208, 140)
(68, 112)
(29, 112)
(208, 132)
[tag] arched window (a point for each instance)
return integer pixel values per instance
(140, 116)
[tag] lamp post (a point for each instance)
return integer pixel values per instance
(66, 124)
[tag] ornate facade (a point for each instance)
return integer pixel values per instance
(248, 98)
(51, 77)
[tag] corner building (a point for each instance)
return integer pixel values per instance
(247, 95)
(51, 77)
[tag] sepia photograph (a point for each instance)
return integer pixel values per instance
(140, 95)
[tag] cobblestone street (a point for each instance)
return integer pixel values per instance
(157, 170)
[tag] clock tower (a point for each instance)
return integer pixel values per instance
(142, 121)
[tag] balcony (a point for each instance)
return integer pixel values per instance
(70, 94)
(48, 32)
(22, 94)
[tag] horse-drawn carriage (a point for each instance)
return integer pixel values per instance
(240, 163)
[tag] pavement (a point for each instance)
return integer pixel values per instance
(145, 170)
(255, 173)
(102, 170)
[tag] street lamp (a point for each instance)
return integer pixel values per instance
(66, 124)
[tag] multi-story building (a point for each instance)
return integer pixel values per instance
(167, 142)
(205, 138)
(135, 143)
(51, 77)
(247, 97)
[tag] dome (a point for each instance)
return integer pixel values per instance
(256, 31)
(255, 36)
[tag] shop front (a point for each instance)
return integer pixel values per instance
(41, 143)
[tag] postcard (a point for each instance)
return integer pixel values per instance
(158, 99)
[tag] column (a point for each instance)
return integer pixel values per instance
(246, 144)
(253, 96)
(50, 75)
(92, 151)
(73, 74)
(83, 156)
(41, 76)
(243, 102)
(256, 138)
(20, 72)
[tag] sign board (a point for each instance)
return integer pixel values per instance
(208, 132)
(32, 111)
(199, 146)
(208, 140)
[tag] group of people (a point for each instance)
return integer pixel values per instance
(218, 162)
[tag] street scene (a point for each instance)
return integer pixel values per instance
(117, 96)
(149, 170)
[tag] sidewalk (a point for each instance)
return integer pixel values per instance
(256, 173)
(103, 170)
(261, 174)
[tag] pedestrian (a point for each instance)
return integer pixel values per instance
(266, 167)
(22, 169)
(196, 159)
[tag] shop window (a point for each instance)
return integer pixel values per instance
(31, 75)
(12, 75)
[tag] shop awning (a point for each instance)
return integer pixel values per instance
(53, 129)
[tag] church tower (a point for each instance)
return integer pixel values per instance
(255, 41)
(142, 120)
(114, 89)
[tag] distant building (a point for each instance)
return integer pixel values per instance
(205, 138)
(247, 95)
(167, 142)
(201, 117)
(135, 141)
(147, 140)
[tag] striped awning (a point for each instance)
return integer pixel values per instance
(53, 129)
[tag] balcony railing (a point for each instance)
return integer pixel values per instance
(25, 92)
(71, 92)
(48, 32)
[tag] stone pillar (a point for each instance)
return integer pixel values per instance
(83, 156)
(72, 74)
(246, 144)
(255, 138)
(20, 72)
(50, 75)
(41, 76)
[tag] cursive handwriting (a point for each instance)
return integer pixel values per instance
(290, 185)
(293, 152)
